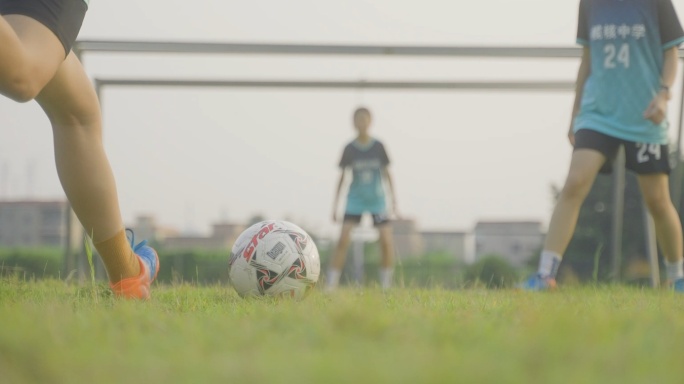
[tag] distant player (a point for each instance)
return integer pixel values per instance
(36, 62)
(629, 63)
(368, 161)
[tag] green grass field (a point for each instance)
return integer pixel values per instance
(51, 332)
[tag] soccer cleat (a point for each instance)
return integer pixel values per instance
(138, 287)
(678, 285)
(538, 283)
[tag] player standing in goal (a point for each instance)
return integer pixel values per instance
(629, 63)
(368, 160)
(36, 62)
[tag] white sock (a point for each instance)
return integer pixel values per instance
(674, 270)
(386, 275)
(549, 263)
(333, 279)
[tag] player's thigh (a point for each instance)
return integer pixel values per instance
(593, 152)
(69, 98)
(655, 189)
(40, 54)
(385, 231)
(345, 232)
(584, 166)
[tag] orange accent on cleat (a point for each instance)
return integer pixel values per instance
(551, 283)
(538, 283)
(137, 287)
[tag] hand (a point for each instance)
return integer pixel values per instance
(657, 109)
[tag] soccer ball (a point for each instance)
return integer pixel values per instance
(274, 258)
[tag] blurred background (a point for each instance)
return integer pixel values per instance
(476, 172)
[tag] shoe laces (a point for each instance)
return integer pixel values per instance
(131, 235)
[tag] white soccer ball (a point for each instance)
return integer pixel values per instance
(274, 258)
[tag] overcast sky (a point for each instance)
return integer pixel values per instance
(191, 157)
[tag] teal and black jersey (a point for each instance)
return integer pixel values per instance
(367, 161)
(626, 39)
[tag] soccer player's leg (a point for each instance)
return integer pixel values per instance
(340, 253)
(590, 154)
(29, 57)
(381, 221)
(71, 105)
(651, 164)
(655, 190)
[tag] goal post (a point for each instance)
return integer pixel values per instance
(81, 48)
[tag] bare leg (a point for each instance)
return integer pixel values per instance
(73, 109)
(656, 192)
(71, 104)
(386, 246)
(387, 250)
(584, 167)
(32, 65)
(29, 57)
(339, 257)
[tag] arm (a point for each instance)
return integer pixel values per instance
(337, 195)
(388, 177)
(582, 75)
(657, 109)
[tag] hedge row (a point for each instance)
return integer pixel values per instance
(205, 267)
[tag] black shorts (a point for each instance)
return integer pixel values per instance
(642, 158)
(379, 219)
(63, 17)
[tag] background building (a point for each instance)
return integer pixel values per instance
(146, 227)
(223, 237)
(457, 244)
(28, 223)
(408, 242)
(516, 241)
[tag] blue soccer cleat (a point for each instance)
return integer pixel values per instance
(538, 283)
(678, 285)
(138, 287)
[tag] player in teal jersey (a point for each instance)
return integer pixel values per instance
(629, 63)
(36, 62)
(368, 161)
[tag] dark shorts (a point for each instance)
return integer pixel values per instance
(379, 219)
(62, 17)
(642, 158)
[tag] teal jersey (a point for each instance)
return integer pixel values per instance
(626, 39)
(366, 192)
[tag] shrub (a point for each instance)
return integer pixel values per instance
(31, 262)
(492, 271)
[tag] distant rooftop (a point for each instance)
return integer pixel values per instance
(508, 228)
(443, 232)
(33, 202)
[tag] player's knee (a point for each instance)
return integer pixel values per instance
(73, 121)
(658, 204)
(576, 186)
(385, 233)
(21, 88)
(344, 241)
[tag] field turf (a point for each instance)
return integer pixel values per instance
(51, 332)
